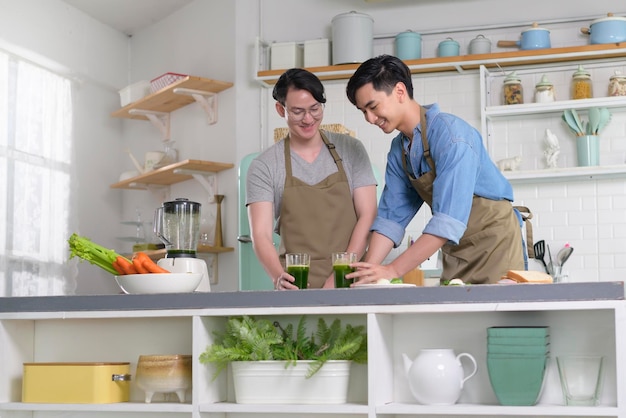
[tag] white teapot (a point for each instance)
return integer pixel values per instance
(436, 376)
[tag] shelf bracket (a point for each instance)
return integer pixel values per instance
(206, 99)
(208, 181)
(159, 119)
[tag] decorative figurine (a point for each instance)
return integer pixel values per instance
(553, 149)
(509, 164)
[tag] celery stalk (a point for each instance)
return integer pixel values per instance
(95, 254)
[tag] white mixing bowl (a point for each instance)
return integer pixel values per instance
(159, 282)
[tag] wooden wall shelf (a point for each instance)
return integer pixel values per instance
(473, 62)
(166, 100)
(171, 174)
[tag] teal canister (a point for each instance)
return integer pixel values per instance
(448, 48)
(409, 45)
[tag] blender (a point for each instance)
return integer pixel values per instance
(177, 225)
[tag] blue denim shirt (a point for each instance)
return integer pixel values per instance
(463, 168)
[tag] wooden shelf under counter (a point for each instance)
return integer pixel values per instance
(473, 62)
(167, 100)
(171, 174)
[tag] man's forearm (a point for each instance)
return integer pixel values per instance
(268, 257)
(379, 248)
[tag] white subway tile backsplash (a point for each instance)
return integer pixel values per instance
(619, 231)
(551, 219)
(619, 201)
(606, 231)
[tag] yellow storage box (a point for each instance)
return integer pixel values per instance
(76, 382)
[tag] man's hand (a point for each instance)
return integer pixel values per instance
(370, 273)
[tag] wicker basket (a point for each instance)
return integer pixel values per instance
(165, 80)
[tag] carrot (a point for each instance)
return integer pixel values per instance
(117, 268)
(126, 266)
(139, 266)
(147, 263)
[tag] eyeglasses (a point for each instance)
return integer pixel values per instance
(296, 114)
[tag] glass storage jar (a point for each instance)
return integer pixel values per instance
(544, 91)
(513, 91)
(617, 84)
(581, 84)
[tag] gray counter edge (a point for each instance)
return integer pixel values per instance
(322, 297)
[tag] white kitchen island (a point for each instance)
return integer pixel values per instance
(583, 318)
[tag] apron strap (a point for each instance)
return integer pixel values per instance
(332, 149)
(527, 215)
(426, 154)
(287, 159)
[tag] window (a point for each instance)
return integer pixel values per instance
(35, 178)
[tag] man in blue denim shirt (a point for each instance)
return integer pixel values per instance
(439, 159)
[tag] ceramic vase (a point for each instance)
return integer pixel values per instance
(588, 148)
(219, 240)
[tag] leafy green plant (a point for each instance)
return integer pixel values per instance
(250, 339)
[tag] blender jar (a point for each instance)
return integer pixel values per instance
(177, 224)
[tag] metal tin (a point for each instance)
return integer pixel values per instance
(81, 383)
(479, 45)
(352, 38)
(408, 45)
(448, 48)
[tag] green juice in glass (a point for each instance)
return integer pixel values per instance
(301, 274)
(340, 275)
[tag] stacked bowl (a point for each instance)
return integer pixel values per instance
(517, 358)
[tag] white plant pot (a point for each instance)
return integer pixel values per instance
(269, 382)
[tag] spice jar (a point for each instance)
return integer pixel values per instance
(544, 91)
(617, 84)
(581, 84)
(513, 92)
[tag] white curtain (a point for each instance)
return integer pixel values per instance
(36, 215)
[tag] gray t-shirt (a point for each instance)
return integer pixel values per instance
(265, 181)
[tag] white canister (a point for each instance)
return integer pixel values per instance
(479, 45)
(352, 38)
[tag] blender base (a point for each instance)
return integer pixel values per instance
(188, 265)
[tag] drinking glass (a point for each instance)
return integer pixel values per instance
(298, 265)
(341, 267)
(581, 378)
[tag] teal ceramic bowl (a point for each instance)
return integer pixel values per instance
(518, 331)
(517, 355)
(517, 381)
(519, 341)
(531, 350)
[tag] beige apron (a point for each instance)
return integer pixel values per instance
(492, 242)
(316, 219)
